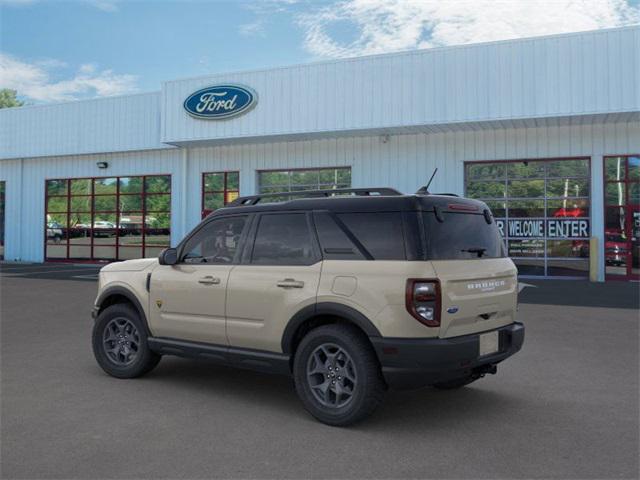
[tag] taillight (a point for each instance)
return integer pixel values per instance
(423, 301)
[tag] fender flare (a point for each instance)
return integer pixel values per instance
(129, 295)
(325, 308)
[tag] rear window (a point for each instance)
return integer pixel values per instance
(462, 236)
(380, 233)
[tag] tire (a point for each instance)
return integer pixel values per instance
(119, 326)
(454, 384)
(318, 361)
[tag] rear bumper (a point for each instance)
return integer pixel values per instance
(417, 362)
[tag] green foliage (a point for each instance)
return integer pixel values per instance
(8, 98)
(297, 180)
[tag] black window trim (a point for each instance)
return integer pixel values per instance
(368, 256)
(247, 254)
(239, 251)
(365, 253)
(414, 248)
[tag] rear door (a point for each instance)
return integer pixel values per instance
(477, 282)
(279, 275)
(188, 300)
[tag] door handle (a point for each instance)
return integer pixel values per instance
(209, 280)
(290, 283)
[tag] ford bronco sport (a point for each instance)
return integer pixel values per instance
(350, 292)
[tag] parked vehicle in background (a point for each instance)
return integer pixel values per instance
(54, 232)
(350, 292)
(103, 228)
(615, 248)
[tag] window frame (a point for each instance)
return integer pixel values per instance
(241, 243)
(628, 209)
(225, 191)
(302, 169)
(505, 179)
(247, 255)
(92, 213)
(3, 198)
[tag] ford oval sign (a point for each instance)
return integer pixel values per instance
(220, 102)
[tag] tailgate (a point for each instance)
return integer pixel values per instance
(477, 295)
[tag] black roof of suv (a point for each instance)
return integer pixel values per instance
(355, 200)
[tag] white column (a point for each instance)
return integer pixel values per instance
(248, 181)
(184, 194)
(597, 210)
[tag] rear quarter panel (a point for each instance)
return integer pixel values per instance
(377, 290)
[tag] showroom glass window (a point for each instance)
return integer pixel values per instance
(218, 189)
(543, 210)
(2, 187)
(105, 219)
(274, 181)
(622, 217)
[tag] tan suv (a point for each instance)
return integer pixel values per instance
(349, 291)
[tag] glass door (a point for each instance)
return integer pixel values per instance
(2, 220)
(622, 217)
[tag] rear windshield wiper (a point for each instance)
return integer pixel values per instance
(479, 251)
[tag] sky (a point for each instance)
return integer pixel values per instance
(55, 50)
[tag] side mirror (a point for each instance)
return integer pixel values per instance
(169, 256)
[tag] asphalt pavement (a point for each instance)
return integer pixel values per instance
(565, 407)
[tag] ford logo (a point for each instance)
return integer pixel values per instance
(220, 101)
(452, 310)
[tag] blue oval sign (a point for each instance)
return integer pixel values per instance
(220, 101)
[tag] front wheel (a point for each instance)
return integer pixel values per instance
(337, 375)
(119, 343)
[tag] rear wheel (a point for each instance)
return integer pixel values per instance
(337, 375)
(120, 343)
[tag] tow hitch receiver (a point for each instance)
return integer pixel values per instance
(481, 371)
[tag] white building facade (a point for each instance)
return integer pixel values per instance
(545, 130)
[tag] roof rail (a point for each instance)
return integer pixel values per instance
(360, 192)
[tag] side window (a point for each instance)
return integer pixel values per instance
(283, 239)
(217, 242)
(380, 233)
(334, 242)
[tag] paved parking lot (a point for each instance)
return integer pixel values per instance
(566, 406)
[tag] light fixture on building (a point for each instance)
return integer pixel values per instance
(102, 164)
(384, 138)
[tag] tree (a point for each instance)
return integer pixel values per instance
(8, 98)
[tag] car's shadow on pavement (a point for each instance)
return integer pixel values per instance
(275, 394)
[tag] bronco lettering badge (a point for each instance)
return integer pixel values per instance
(486, 285)
(220, 102)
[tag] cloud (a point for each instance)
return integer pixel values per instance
(390, 25)
(34, 80)
(252, 29)
(267, 7)
(104, 5)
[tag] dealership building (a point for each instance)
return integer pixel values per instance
(545, 130)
